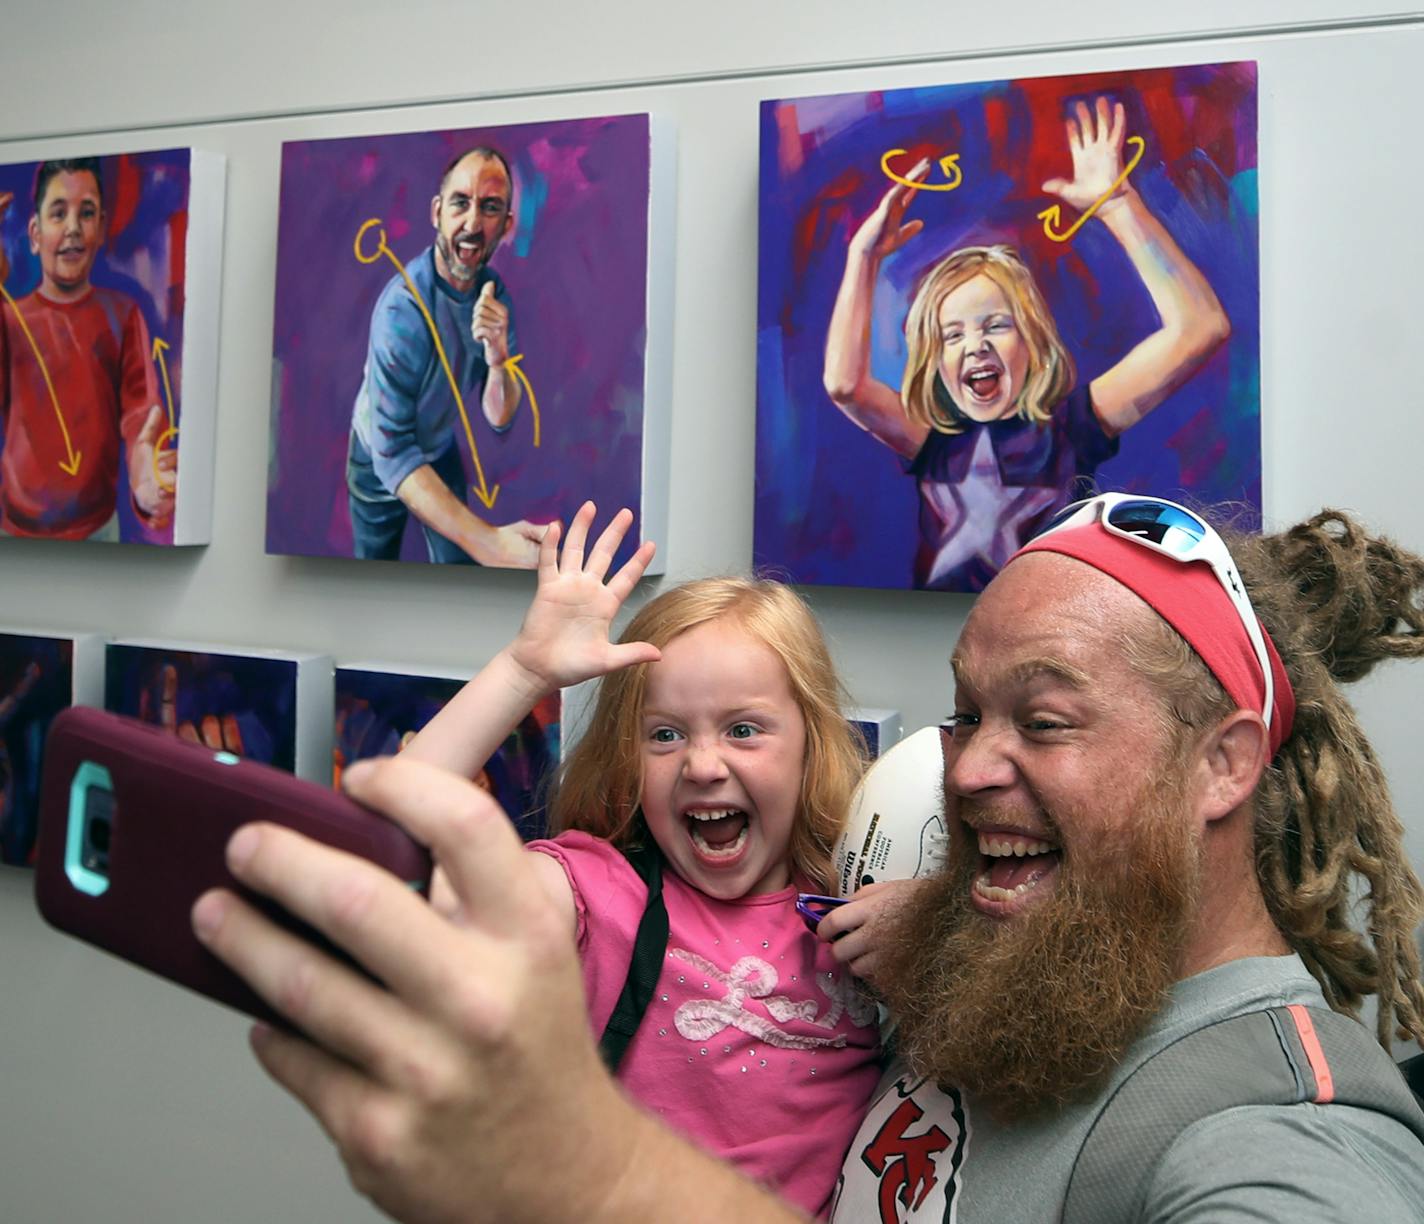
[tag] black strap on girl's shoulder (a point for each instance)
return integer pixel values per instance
(649, 947)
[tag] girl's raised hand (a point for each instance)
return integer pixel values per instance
(565, 635)
(882, 232)
(1095, 140)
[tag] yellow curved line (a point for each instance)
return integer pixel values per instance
(361, 233)
(1053, 213)
(168, 486)
(163, 482)
(948, 164)
(159, 345)
(513, 364)
(482, 491)
(71, 466)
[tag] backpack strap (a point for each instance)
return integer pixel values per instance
(1282, 1056)
(649, 948)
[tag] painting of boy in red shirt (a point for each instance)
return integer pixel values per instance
(78, 389)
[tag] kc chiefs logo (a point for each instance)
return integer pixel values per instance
(906, 1163)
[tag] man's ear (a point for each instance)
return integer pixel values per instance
(435, 211)
(1234, 754)
(33, 229)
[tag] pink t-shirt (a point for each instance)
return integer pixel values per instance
(756, 1044)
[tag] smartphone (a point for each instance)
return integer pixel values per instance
(133, 827)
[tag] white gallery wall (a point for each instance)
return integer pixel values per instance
(124, 1099)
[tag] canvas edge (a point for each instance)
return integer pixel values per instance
(207, 197)
(658, 363)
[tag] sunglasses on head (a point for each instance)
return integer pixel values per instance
(813, 907)
(1176, 532)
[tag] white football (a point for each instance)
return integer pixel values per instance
(895, 830)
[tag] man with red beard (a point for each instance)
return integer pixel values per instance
(1163, 813)
(1109, 786)
(446, 317)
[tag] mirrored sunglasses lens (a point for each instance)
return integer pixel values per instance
(1169, 527)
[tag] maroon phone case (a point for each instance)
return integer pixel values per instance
(176, 804)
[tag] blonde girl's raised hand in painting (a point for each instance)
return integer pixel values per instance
(1095, 142)
(1193, 323)
(564, 640)
(871, 404)
(885, 231)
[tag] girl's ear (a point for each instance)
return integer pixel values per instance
(1233, 757)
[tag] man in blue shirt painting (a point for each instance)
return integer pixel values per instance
(403, 457)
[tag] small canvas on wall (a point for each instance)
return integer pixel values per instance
(980, 301)
(270, 706)
(379, 709)
(879, 729)
(470, 339)
(40, 675)
(109, 271)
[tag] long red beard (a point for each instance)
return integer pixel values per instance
(1033, 1012)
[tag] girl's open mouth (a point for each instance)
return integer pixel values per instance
(719, 832)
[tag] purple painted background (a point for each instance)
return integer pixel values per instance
(576, 266)
(835, 506)
(144, 253)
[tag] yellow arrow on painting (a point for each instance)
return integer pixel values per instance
(164, 483)
(482, 490)
(949, 164)
(512, 365)
(72, 458)
(159, 345)
(1051, 215)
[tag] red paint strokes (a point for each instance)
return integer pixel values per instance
(178, 249)
(1167, 118)
(789, 151)
(1050, 107)
(805, 239)
(829, 214)
(996, 122)
(1215, 117)
(127, 190)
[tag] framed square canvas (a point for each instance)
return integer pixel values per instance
(109, 280)
(980, 301)
(470, 338)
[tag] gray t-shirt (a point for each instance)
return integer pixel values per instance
(928, 1154)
